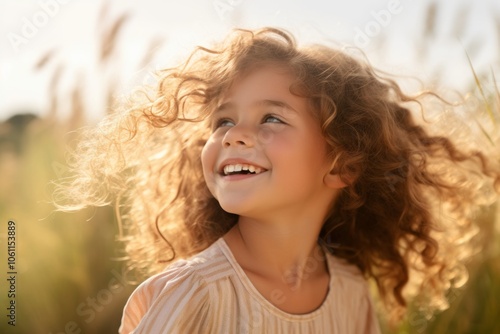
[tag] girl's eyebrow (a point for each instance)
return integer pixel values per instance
(261, 103)
(224, 106)
(275, 103)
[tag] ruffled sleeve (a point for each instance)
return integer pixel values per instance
(174, 301)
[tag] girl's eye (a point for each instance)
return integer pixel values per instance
(222, 123)
(272, 119)
(225, 122)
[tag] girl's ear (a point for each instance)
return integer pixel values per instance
(333, 180)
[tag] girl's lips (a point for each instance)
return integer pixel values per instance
(237, 161)
(237, 177)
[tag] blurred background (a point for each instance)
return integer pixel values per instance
(64, 63)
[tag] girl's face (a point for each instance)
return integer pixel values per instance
(266, 152)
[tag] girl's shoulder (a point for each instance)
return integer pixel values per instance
(202, 268)
(348, 280)
(184, 287)
(342, 268)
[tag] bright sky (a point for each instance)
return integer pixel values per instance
(388, 31)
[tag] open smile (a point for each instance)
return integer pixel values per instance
(235, 172)
(239, 169)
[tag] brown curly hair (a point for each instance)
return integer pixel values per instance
(402, 219)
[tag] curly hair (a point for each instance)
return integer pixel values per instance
(403, 219)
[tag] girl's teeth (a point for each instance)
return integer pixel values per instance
(239, 167)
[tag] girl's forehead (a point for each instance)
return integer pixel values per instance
(266, 78)
(264, 88)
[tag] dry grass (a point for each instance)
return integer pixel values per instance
(475, 308)
(63, 259)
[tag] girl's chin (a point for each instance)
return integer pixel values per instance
(233, 209)
(239, 208)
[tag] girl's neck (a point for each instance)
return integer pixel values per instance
(286, 254)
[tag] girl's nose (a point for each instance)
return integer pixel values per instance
(238, 136)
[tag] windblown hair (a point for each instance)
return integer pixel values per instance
(403, 219)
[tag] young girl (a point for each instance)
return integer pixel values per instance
(279, 179)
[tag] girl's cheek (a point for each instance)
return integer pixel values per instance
(268, 135)
(208, 165)
(265, 136)
(207, 155)
(210, 153)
